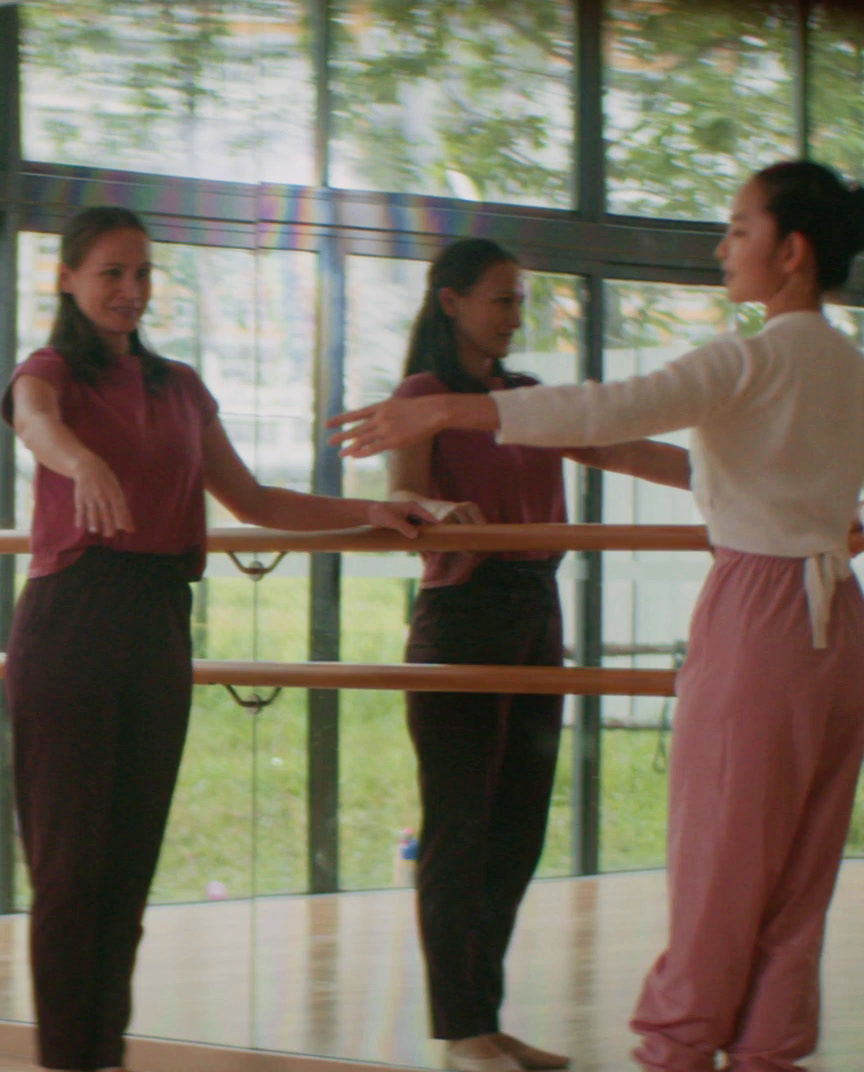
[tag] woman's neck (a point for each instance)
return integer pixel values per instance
(797, 295)
(118, 346)
(479, 367)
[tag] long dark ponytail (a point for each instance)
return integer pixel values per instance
(72, 334)
(432, 345)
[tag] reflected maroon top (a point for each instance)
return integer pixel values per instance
(510, 483)
(151, 441)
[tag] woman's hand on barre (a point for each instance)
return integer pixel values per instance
(405, 517)
(458, 513)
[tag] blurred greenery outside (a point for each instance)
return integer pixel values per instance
(238, 765)
(212, 836)
(239, 813)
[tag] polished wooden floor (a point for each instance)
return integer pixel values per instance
(341, 976)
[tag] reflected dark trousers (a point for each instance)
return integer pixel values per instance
(486, 767)
(99, 682)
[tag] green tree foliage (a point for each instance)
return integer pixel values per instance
(444, 97)
(697, 95)
(161, 52)
(473, 100)
(192, 88)
(837, 66)
(455, 98)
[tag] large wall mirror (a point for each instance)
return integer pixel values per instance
(300, 161)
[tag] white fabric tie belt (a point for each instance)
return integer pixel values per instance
(821, 574)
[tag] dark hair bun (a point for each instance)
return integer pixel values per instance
(811, 198)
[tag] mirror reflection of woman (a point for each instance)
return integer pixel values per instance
(486, 761)
(99, 668)
(769, 727)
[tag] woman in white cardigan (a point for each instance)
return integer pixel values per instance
(769, 729)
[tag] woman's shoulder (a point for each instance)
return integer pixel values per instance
(519, 379)
(427, 383)
(184, 375)
(185, 372)
(45, 360)
(45, 364)
(189, 382)
(420, 383)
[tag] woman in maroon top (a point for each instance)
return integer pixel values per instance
(99, 668)
(486, 761)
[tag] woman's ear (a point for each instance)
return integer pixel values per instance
(798, 253)
(63, 279)
(448, 298)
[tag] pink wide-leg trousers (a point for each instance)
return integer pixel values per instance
(767, 746)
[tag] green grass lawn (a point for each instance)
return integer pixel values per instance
(239, 814)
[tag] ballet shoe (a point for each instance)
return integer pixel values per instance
(499, 1062)
(529, 1057)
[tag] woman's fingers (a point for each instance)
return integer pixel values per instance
(350, 415)
(398, 422)
(404, 517)
(359, 440)
(100, 504)
(104, 517)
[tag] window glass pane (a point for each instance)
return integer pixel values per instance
(463, 100)
(219, 89)
(837, 94)
(383, 297)
(851, 321)
(693, 94)
(647, 596)
(246, 321)
(37, 266)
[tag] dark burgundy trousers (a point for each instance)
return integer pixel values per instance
(99, 681)
(486, 768)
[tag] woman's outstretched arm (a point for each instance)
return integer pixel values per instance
(227, 477)
(661, 463)
(100, 503)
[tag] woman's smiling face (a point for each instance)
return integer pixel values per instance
(111, 285)
(486, 316)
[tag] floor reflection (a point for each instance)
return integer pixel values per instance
(341, 976)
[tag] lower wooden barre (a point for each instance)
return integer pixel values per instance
(422, 677)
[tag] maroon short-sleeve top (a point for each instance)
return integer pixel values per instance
(510, 483)
(152, 440)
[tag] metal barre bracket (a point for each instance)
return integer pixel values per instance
(255, 703)
(256, 569)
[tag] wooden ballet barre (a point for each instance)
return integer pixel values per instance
(432, 677)
(539, 537)
(543, 537)
(548, 537)
(443, 537)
